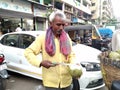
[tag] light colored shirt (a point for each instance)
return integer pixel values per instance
(18, 29)
(54, 76)
(116, 40)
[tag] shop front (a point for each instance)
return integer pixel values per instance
(40, 17)
(14, 13)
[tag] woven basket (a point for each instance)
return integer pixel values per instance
(110, 69)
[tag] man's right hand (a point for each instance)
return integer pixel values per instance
(47, 64)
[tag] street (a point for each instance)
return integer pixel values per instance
(20, 82)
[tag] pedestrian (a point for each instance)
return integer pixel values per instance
(56, 47)
(88, 38)
(18, 29)
(115, 40)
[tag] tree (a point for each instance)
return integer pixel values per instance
(112, 21)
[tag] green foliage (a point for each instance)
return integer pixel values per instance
(49, 11)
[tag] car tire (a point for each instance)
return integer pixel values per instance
(76, 85)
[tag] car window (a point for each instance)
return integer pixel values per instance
(26, 40)
(10, 40)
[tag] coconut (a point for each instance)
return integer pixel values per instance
(75, 71)
(114, 55)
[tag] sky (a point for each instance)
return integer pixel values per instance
(116, 7)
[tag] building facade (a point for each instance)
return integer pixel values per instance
(107, 11)
(33, 14)
(102, 11)
(29, 15)
(77, 11)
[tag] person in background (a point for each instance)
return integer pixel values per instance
(115, 40)
(56, 48)
(18, 29)
(1, 33)
(88, 38)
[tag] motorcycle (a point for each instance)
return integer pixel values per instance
(3, 72)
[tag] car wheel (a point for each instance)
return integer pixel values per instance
(76, 85)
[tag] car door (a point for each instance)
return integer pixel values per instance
(14, 54)
(24, 42)
(9, 47)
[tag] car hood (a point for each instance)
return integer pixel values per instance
(86, 53)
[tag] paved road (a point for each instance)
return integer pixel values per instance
(20, 82)
(104, 88)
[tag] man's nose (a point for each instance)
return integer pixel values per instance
(61, 27)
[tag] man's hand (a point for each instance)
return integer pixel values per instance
(47, 64)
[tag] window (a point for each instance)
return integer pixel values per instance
(105, 3)
(79, 1)
(58, 5)
(10, 40)
(26, 40)
(93, 12)
(68, 8)
(93, 4)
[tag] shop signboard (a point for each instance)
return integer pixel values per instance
(16, 5)
(40, 13)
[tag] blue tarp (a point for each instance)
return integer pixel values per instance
(105, 32)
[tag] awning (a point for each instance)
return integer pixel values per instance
(106, 32)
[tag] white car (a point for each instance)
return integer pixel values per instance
(12, 45)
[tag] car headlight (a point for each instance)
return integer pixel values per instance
(90, 66)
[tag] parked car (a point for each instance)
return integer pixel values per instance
(12, 45)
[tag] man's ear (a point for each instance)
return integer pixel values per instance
(51, 23)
